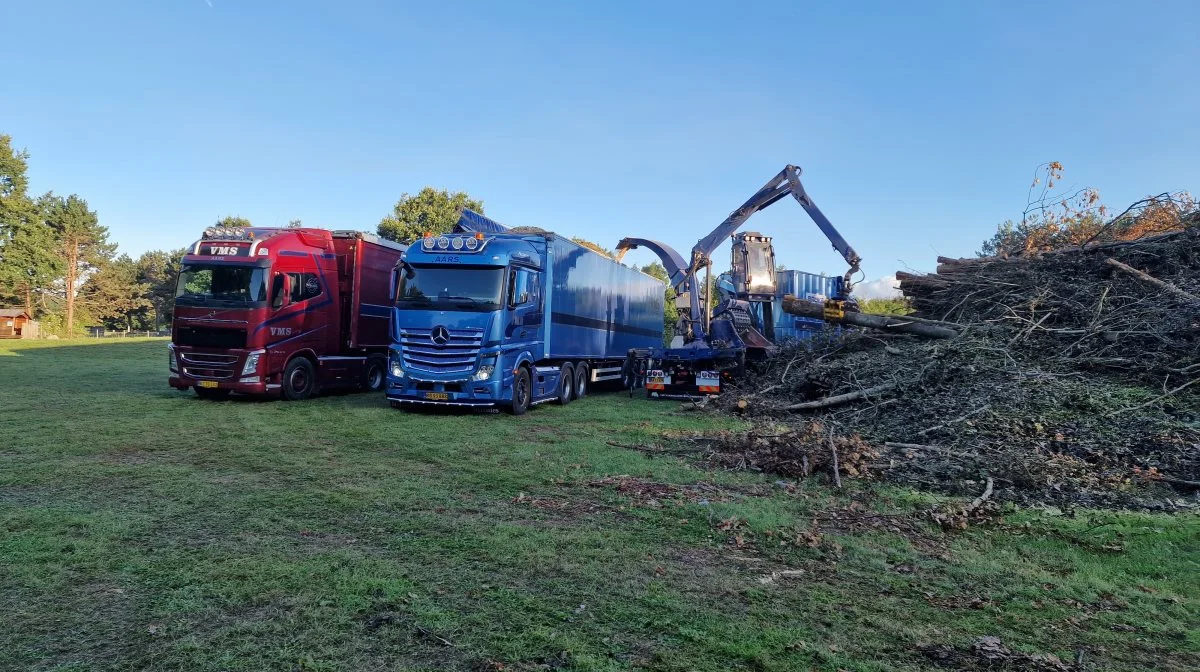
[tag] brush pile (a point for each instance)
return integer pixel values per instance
(1070, 381)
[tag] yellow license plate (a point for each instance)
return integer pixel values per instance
(437, 396)
(206, 383)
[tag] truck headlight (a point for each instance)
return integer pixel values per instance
(252, 362)
(394, 364)
(172, 362)
(485, 370)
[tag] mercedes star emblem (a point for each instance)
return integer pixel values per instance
(440, 336)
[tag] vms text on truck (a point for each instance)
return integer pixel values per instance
(488, 316)
(282, 312)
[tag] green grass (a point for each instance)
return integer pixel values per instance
(142, 528)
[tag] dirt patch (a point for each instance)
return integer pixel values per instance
(561, 505)
(914, 527)
(989, 653)
(654, 494)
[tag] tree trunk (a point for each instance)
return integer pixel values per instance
(29, 300)
(927, 328)
(72, 272)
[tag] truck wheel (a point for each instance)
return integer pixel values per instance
(522, 391)
(581, 381)
(211, 394)
(566, 384)
(299, 380)
(374, 373)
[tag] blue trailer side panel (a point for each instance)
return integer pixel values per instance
(599, 309)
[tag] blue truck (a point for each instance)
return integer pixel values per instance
(487, 316)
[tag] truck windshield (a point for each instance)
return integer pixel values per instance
(453, 288)
(221, 284)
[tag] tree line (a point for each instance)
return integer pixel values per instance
(58, 263)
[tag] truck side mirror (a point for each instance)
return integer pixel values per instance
(392, 285)
(281, 290)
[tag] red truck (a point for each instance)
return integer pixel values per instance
(282, 312)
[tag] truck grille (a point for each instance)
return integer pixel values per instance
(211, 337)
(456, 356)
(204, 365)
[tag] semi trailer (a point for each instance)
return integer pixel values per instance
(487, 316)
(281, 312)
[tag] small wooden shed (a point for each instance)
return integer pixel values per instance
(16, 323)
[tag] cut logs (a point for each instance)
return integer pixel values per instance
(893, 323)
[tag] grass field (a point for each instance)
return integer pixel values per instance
(144, 529)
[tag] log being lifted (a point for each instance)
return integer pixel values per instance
(896, 323)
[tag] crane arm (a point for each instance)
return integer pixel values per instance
(839, 243)
(786, 182)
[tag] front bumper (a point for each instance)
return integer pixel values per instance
(189, 371)
(408, 390)
(181, 381)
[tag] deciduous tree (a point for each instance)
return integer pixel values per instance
(433, 210)
(670, 314)
(158, 270)
(233, 221)
(114, 293)
(1055, 217)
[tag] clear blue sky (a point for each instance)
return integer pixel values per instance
(918, 124)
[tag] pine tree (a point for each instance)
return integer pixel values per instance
(28, 259)
(82, 243)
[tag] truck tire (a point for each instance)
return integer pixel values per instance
(211, 394)
(522, 392)
(374, 373)
(566, 384)
(581, 380)
(299, 380)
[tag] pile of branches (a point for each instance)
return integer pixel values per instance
(1127, 306)
(1070, 380)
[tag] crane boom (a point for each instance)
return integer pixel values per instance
(786, 182)
(683, 274)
